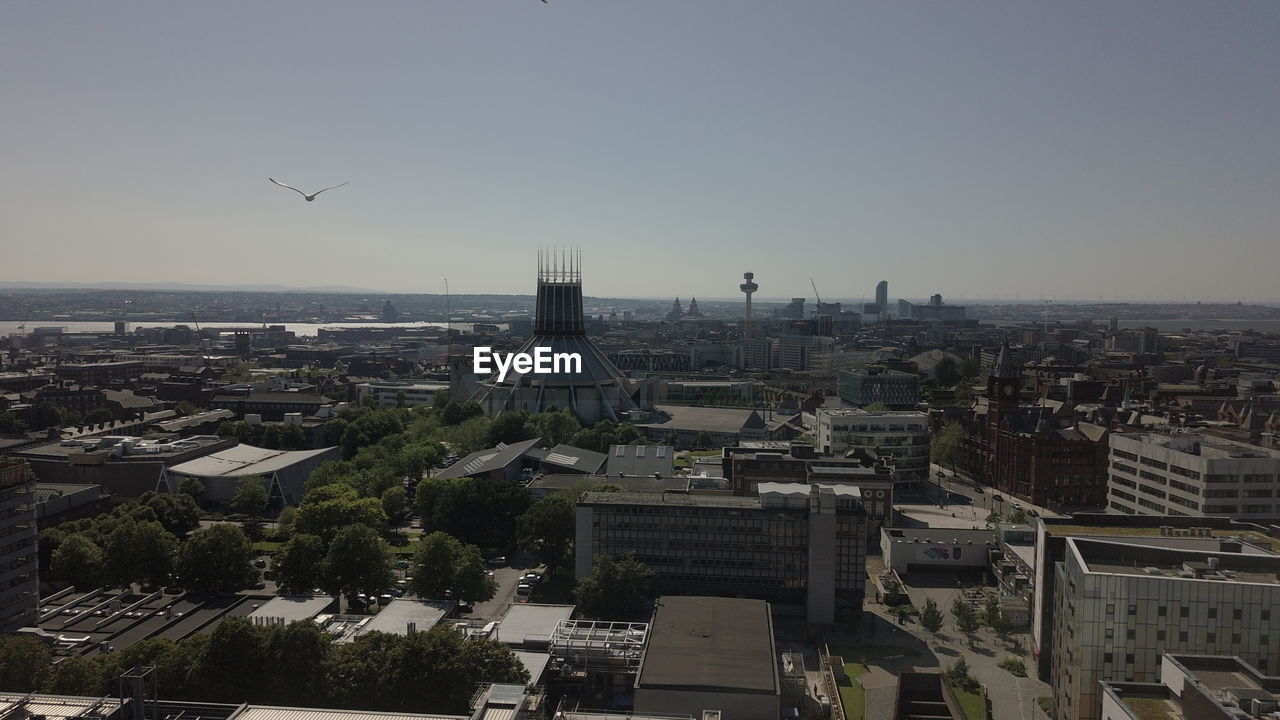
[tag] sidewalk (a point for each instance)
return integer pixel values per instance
(1011, 698)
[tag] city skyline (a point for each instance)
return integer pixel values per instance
(1089, 152)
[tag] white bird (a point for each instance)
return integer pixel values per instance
(310, 197)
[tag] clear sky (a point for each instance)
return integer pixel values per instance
(1064, 150)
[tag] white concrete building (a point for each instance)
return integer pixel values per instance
(1117, 607)
(902, 434)
(1192, 475)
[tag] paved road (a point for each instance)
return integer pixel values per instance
(507, 578)
(957, 484)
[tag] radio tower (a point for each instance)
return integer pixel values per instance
(748, 287)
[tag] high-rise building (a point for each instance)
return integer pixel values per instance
(882, 298)
(794, 544)
(748, 288)
(19, 583)
(899, 390)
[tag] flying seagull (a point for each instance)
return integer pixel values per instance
(310, 197)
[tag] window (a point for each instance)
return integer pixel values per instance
(1106, 657)
(1266, 614)
(1130, 634)
(1110, 632)
(1133, 609)
(1235, 638)
(1163, 610)
(1111, 609)
(1211, 637)
(1213, 612)
(1182, 636)
(1128, 658)
(1160, 635)
(1237, 613)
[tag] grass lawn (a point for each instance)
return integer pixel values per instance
(705, 453)
(852, 696)
(973, 704)
(267, 546)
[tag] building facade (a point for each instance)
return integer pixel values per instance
(19, 562)
(793, 545)
(1192, 475)
(897, 389)
(903, 435)
(1029, 451)
(1118, 607)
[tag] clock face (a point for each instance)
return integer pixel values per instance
(1008, 390)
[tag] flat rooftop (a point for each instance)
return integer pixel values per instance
(395, 618)
(292, 608)
(531, 623)
(710, 644)
(267, 712)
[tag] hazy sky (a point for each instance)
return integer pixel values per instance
(1115, 150)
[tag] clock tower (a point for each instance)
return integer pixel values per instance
(1005, 382)
(1003, 387)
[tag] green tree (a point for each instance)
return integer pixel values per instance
(548, 528)
(617, 588)
(24, 663)
(358, 561)
(297, 654)
(178, 513)
(185, 408)
(192, 487)
(140, 551)
(931, 617)
(966, 619)
(481, 511)
(326, 509)
(235, 661)
(98, 415)
(395, 503)
(511, 427)
(964, 395)
(557, 427)
(991, 611)
(251, 495)
(284, 523)
(270, 437)
(80, 561)
(10, 424)
(947, 371)
(217, 559)
(49, 415)
(76, 676)
(969, 368)
(443, 562)
(946, 447)
(293, 437)
(704, 441)
(299, 566)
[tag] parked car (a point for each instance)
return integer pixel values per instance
(524, 589)
(1032, 512)
(998, 498)
(532, 578)
(498, 561)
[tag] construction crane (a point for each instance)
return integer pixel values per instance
(204, 348)
(815, 290)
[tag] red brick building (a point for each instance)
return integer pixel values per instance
(1039, 452)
